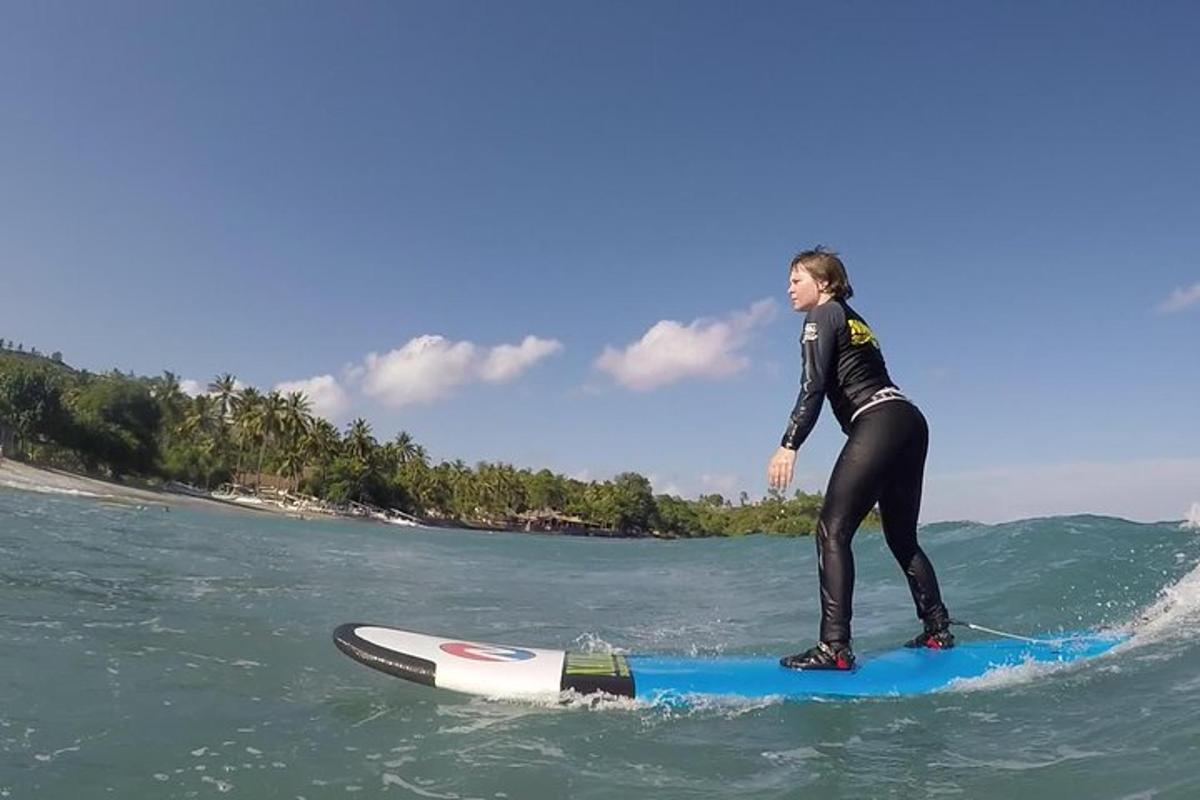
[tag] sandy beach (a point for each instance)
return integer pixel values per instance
(18, 475)
(25, 477)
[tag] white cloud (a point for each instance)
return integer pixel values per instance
(691, 485)
(1150, 490)
(671, 351)
(662, 485)
(507, 361)
(425, 369)
(428, 368)
(192, 388)
(1181, 299)
(724, 483)
(327, 397)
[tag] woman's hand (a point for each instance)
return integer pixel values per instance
(779, 471)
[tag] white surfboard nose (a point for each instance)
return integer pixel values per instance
(460, 665)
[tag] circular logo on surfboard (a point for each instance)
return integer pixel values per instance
(486, 652)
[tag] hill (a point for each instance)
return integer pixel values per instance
(12, 358)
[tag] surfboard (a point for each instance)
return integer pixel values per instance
(508, 672)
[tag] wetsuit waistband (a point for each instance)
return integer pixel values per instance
(881, 396)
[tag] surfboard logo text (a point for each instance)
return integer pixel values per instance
(486, 652)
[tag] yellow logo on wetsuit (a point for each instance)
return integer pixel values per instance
(860, 334)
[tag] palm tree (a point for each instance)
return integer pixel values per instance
(463, 487)
(359, 442)
(321, 444)
(361, 446)
(224, 389)
(485, 485)
(168, 386)
(322, 440)
(295, 422)
(246, 421)
(298, 412)
(198, 420)
(405, 446)
(297, 418)
(512, 489)
(170, 397)
(201, 428)
(420, 455)
(293, 464)
(498, 488)
(271, 417)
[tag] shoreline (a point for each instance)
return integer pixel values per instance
(22, 476)
(49, 480)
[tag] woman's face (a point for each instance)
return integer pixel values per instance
(803, 290)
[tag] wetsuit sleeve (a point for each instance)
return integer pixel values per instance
(819, 345)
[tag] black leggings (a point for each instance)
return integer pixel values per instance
(883, 462)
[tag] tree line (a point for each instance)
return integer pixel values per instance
(125, 425)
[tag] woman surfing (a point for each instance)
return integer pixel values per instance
(883, 460)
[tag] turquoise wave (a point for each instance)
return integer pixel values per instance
(157, 655)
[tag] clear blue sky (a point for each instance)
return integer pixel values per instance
(279, 189)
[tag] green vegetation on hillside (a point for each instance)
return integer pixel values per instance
(120, 425)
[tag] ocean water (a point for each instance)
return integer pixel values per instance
(152, 654)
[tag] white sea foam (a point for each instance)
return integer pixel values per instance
(572, 700)
(591, 643)
(1006, 677)
(1175, 611)
(392, 779)
(725, 706)
(1063, 753)
(1192, 523)
(1177, 607)
(29, 486)
(664, 705)
(797, 755)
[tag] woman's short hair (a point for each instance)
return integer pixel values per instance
(826, 269)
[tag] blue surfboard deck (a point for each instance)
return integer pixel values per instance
(903, 671)
(505, 671)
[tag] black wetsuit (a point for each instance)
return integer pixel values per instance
(882, 462)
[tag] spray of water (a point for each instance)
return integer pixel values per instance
(1175, 611)
(1192, 523)
(1005, 677)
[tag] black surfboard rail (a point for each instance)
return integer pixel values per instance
(400, 665)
